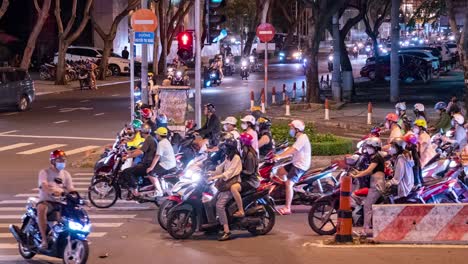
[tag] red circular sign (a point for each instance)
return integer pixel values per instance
(265, 32)
(144, 20)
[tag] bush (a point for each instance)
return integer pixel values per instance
(322, 144)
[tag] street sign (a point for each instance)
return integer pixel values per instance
(144, 20)
(265, 32)
(144, 37)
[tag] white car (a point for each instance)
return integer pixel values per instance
(426, 55)
(117, 64)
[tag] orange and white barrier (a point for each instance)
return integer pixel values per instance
(288, 111)
(327, 110)
(420, 223)
(273, 95)
(369, 113)
(263, 102)
(284, 92)
(294, 91)
(252, 99)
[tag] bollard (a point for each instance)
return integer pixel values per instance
(369, 113)
(345, 214)
(288, 112)
(303, 91)
(273, 95)
(327, 111)
(328, 80)
(263, 102)
(252, 99)
(294, 91)
(284, 92)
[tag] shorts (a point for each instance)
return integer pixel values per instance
(160, 171)
(245, 186)
(294, 173)
(52, 209)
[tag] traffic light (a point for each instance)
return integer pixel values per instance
(214, 19)
(185, 49)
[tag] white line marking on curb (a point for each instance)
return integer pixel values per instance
(41, 149)
(99, 114)
(10, 114)
(8, 132)
(84, 101)
(79, 150)
(115, 95)
(19, 145)
(50, 106)
(58, 137)
(61, 121)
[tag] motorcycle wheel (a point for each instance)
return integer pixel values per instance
(24, 252)
(268, 221)
(76, 253)
(181, 224)
(103, 195)
(323, 218)
(163, 211)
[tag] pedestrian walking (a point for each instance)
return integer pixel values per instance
(125, 53)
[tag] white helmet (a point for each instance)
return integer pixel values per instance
(419, 107)
(230, 120)
(459, 119)
(249, 119)
(401, 106)
(374, 142)
(298, 124)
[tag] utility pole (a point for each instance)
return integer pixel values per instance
(198, 31)
(394, 61)
(144, 65)
(131, 34)
(336, 75)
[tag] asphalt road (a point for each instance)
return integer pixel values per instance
(78, 121)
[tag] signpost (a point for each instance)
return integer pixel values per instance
(144, 37)
(266, 32)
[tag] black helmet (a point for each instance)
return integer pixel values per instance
(229, 144)
(146, 129)
(210, 107)
(263, 123)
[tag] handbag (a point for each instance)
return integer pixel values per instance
(224, 186)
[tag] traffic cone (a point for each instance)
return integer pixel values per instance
(273, 95)
(345, 214)
(263, 102)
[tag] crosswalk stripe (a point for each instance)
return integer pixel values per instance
(78, 179)
(93, 225)
(95, 216)
(18, 259)
(83, 174)
(76, 189)
(8, 246)
(6, 209)
(92, 234)
(18, 145)
(79, 150)
(114, 208)
(87, 183)
(35, 195)
(41, 149)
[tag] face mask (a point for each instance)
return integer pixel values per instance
(203, 149)
(397, 112)
(244, 126)
(416, 130)
(370, 151)
(452, 123)
(225, 127)
(292, 132)
(387, 125)
(392, 151)
(60, 165)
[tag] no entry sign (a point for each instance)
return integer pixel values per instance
(144, 20)
(265, 32)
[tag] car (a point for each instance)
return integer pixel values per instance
(452, 48)
(117, 64)
(434, 51)
(426, 55)
(290, 54)
(409, 65)
(16, 88)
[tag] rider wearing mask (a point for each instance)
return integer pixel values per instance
(425, 148)
(228, 172)
(148, 118)
(391, 123)
(460, 132)
(301, 152)
(419, 112)
(403, 177)
(412, 146)
(248, 125)
(377, 183)
(53, 181)
(212, 128)
(265, 143)
(403, 121)
(249, 174)
(454, 107)
(229, 125)
(444, 118)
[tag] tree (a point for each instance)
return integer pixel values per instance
(66, 35)
(42, 15)
(241, 14)
(287, 21)
(260, 5)
(377, 12)
(428, 12)
(108, 38)
(322, 11)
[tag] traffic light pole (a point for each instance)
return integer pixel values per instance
(197, 64)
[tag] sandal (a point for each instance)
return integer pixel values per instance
(238, 214)
(284, 211)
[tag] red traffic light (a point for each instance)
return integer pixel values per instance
(185, 39)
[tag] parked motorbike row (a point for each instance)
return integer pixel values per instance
(74, 70)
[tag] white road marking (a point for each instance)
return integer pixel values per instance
(93, 225)
(61, 121)
(95, 216)
(79, 150)
(78, 189)
(41, 149)
(83, 174)
(321, 245)
(76, 183)
(50, 106)
(84, 101)
(9, 209)
(10, 246)
(99, 114)
(9, 114)
(92, 234)
(23, 201)
(8, 132)
(18, 145)
(59, 137)
(114, 95)
(69, 109)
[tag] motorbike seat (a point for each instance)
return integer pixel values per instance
(248, 192)
(362, 192)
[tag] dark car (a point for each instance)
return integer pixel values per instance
(16, 88)
(410, 66)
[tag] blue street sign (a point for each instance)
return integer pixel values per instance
(134, 51)
(144, 37)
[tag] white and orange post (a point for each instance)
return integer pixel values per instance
(263, 101)
(273, 95)
(288, 110)
(327, 110)
(284, 92)
(294, 91)
(369, 113)
(303, 91)
(252, 99)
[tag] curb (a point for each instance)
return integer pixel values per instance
(77, 87)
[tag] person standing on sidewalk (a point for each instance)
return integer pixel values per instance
(301, 153)
(125, 53)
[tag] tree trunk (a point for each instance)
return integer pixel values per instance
(60, 73)
(345, 61)
(108, 43)
(248, 43)
(464, 55)
(42, 16)
(312, 72)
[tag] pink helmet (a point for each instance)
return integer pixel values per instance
(411, 138)
(246, 139)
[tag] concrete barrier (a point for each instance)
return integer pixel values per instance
(420, 223)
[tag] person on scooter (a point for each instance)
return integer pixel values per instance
(147, 116)
(161, 120)
(212, 128)
(53, 181)
(229, 125)
(460, 132)
(391, 123)
(377, 183)
(265, 142)
(444, 118)
(419, 112)
(137, 140)
(455, 107)
(248, 125)
(249, 174)
(412, 146)
(403, 177)
(228, 173)
(425, 148)
(301, 152)
(164, 162)
(148, 150)
(403, 121)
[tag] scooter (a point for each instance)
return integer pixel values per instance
(228, 67)
(244, 72)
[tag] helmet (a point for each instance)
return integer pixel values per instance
(137, 124)
(264, 123)
(146, 129)
(297, 124)
(150, 74)
(459, 119)
(399, 141)
(210, 107)
(162, 119)
(162, 131)
(440, 106)
(225, 136)
(401, 106)
(229, 143)
(420, 123)
(230, 120)
(146, 113)
(391, 117)
(246, 139)
(419, 107)
(374, 142)
(411, 138)
(56, 154)
(249, 119)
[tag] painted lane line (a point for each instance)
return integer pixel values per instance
(10, 114)
(83, 174)
(18, 145)
(123, 208)
(59, 137)
(95, 216)
(93, 225)
(50, 106)
(35, 195)
(435, 246)
(114, 95)
(92, 234)
(79, 150)
(13, 257)
(61, 121)
(8, 132)
(41, 149)
(99, 114)
(81, 183)
(85, 101)
(78, 189)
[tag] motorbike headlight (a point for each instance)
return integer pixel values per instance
(367, 49)
(179, 74)
(297, 54)
(137, 94)
(193, 175)
(170, 69)
(79, 227)
(244, 63)
(227, 60)
(330, 58)
(213, 75)
(281, 54)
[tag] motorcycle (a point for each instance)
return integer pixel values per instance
(180, 78)
(66, 235)
(47, 71)
(212, 77)
(244, 72)
(229, 67)
(330, 63)
(253, 63)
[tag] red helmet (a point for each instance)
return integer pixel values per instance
(411, 138)
(56, 154)
(146, 113)
(391, 117)
(246, 139)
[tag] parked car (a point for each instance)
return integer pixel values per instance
(410, 66)
(117, 64)
(426, 55)
(16, 88)
(434, 51)
(452, 48)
